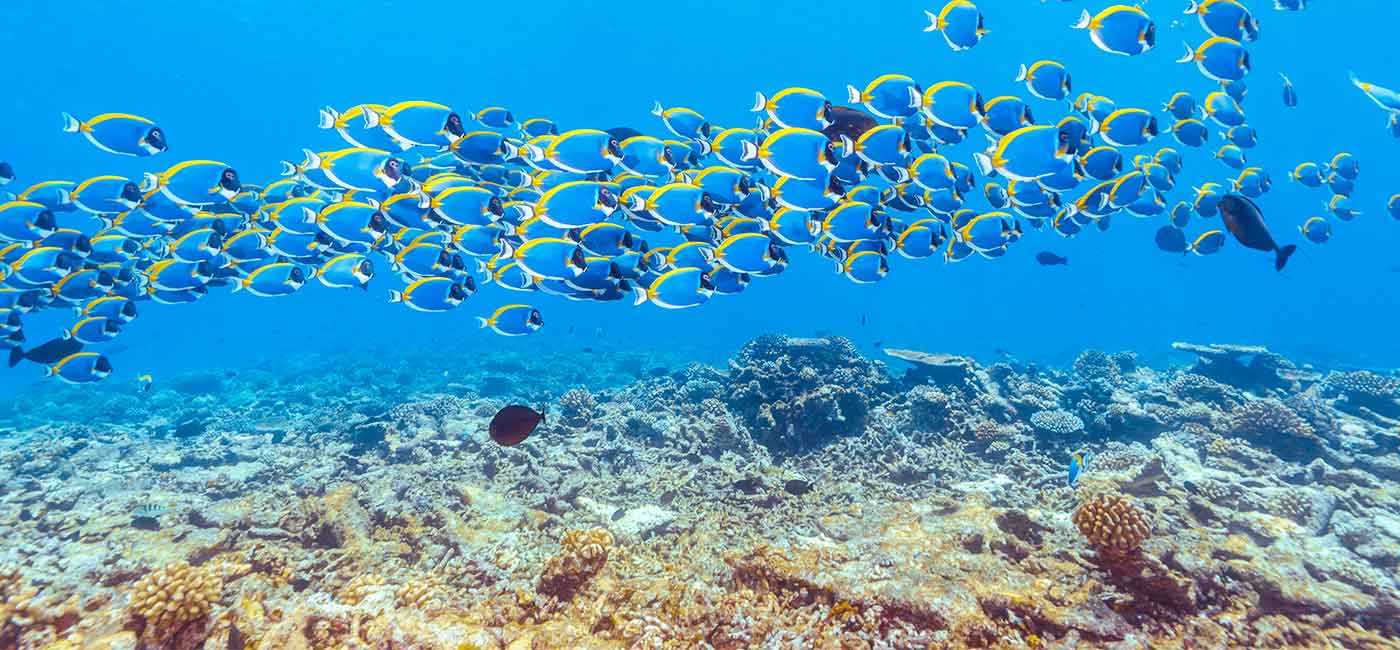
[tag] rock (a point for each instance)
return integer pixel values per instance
(164, 462)
(643, 522)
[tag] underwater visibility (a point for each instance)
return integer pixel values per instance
(993, 324)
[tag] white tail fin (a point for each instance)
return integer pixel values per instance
(852, 94)
(534, 152)
(509, 150)
(848, 146)
(639, 295)
(372, 119)
(932, 21)
(656, 109)
(750, 151)
(1355, 81)
(149, 182)
(984, 164)
(395, 296)
(1193, 9)
(1084, 20)
(71, 124)
(1021, 74)
(482, 322)
(760, 103)
(1190, 54)
(289, 169)
(308, 215)
(328, 118)
(313, 160)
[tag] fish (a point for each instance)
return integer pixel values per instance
(1290, 95)
(961, 24)
(513, 424)
(513, 320)
(81, 368)
(1316, 230)
(431, 294)
(1219, 58)
(1120, 29)
(848, 122)
(1209, 243)
(143, 383)
(7, 173)
(1047, 258)
(1076, 469)
(799, 108)
(1171, 239)
(1048, 80)
(417, 123)
(1245, 221)
(120, 133)
(1226, 19)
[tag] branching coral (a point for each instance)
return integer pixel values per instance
(1267, 418)
(359, 587)
(1294, 505)
(1057, 423)
(577, 407)
(583, 556)
(165, 601)
(422, 594)
(1365, 389)
(1112, 523)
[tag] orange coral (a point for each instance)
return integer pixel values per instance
(584, 554)
(168, 599)
(1112, 523)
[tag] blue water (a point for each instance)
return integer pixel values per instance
(241, 80)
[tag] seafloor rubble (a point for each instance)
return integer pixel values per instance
(803, 497)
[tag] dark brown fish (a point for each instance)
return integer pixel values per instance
(1245, 221)
(849, 122)
(48, 353)
(513, 424)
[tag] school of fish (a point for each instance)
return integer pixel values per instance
(452, 203)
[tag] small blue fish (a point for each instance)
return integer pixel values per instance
(960, 22)
(81, 368)
(1076, 468)
(433, 294)
(513, 320)
(1290, 96)
(120, 133)
(1316, 230)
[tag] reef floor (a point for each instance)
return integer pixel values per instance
(805, 497)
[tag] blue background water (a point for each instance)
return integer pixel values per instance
(240, 81)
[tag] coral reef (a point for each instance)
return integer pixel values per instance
(1112, 524)
(1057, 423)
(583, 555)
(171, 599)
(797, 394)
(802, 498)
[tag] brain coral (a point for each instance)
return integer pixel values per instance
(170, 598)
(1112, 523)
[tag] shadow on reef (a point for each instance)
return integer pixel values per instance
(804, 497)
